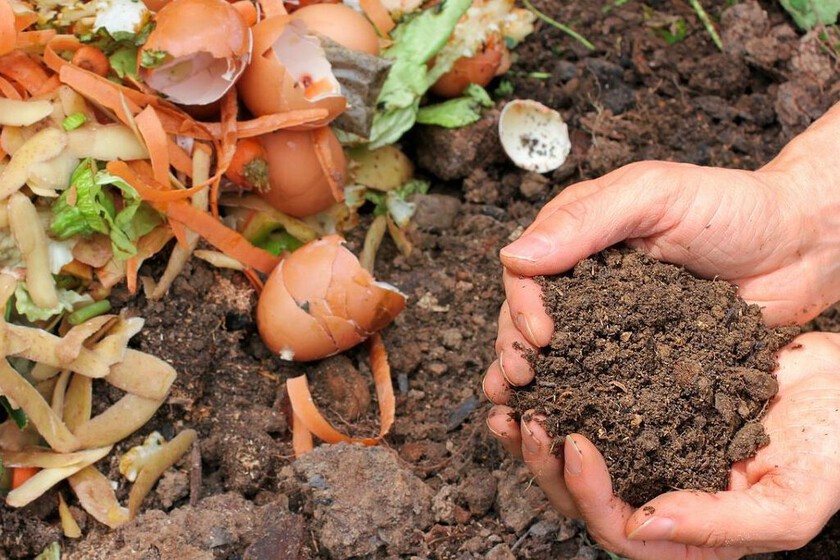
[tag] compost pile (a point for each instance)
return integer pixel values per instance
(668, 374)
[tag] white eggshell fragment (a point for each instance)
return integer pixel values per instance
(533, 136)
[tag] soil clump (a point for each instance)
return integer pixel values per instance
(669, 375)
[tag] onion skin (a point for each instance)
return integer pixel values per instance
(479, 69)
(319, 301)
(298, 184)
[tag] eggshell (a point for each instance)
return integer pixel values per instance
(479, 69)
(533, 136)
(207, 45)
(299, 184)
(286, 326)
(156, 5)
(289, 71)
(342, 24)
(353, 307)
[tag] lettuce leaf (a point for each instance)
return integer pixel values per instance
(416, 42)
(459, 112)
(95, 210)
(808, 13)
(67, 301)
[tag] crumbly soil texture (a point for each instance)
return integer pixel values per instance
(666, 373)
(654, 87)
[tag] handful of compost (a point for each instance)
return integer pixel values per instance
(667, 374)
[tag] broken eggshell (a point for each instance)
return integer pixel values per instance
(289, 71)
(196, 52)
(299, 181)
(342, 24)
(533, 136)
(319, 301)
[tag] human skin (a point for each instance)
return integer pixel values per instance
(775, 233)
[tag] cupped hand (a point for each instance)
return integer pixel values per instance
(778, 500)
(760, 230)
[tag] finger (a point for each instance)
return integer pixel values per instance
(526, 308)
(585, 188)
(573, 231)
(764, 517)
(495, 386)
(505, 428)
(570, 194)
(511, 349)
(589, 484)
(540, 454)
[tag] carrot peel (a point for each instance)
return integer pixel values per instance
(307, 415)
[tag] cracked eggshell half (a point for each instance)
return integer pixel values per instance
(298, 182)
(289, 71)
(533, 136)
(196, 52)
(342, 24)
(319, 301)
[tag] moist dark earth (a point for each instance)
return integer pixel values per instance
(440, 487)
(666, 373)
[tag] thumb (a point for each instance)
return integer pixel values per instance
(637, 204)
(760, 518)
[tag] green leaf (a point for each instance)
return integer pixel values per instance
(416, 41)
(95, 211)
(280, 242)
(67, 301)
(124, 61)
(459, 112)
(809, 13)
(673, 34)
(150, 58)
(51, 552)
(85, 217)
(505, 89)
(74, 121)
(17, 415)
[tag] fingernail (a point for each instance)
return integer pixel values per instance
(491, 415)
(531, 444)
(528, 248)
(572, 457)
(502, 367)
(654, 529)
(524, 327)
(486, 396)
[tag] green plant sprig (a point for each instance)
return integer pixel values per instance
(554, 23)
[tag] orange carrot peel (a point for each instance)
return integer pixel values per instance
(21, 475)
(309, 421)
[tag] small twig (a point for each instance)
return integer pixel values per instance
(554, 23)
(707, 22)
(195, 474)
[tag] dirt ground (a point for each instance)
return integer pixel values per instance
(440, 487)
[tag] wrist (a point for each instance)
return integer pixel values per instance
(806, 176)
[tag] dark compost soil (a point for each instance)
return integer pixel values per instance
(441, 488)
(666, 373)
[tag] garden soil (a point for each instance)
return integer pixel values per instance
(668, 374)
(440, 487)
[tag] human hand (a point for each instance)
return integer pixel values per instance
(773, 232)
(778, 500)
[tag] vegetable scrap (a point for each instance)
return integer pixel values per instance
(250, 135)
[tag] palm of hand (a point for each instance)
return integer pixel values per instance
(778, 500)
